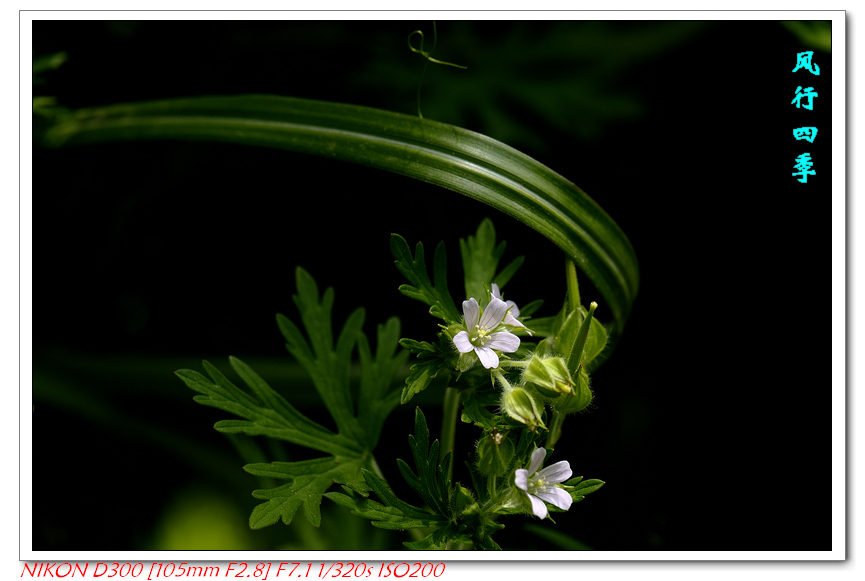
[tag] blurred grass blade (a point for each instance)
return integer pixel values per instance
(460, 160)
(558, 538)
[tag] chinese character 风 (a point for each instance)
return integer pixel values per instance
(808, 133)
(803, 61)
(804, 165)
(807, 93)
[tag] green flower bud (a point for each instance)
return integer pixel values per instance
(495, 453)
(521, 406)
(462, 501)
(579, 399)
(549, 375)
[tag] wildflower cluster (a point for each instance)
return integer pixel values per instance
(516, 378)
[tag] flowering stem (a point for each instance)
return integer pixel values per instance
(506, 386)
(555, 429)
(514, 364)
(451, 408)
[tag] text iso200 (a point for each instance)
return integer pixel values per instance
(411, 570)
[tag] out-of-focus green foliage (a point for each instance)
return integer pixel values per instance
(815, 34)
(524, 81)
(202, 520)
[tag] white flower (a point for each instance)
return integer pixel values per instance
(480, 336)
(541, 486)
(513, 312)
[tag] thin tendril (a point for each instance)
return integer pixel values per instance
(427, 59)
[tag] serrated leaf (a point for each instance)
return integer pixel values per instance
(376, 395)
(474, 410)
(327, 364)
(286, 423)
(481, 256)
(309, 480)
(384, 517)
(436, 294)
(431, 362)
(381, 488)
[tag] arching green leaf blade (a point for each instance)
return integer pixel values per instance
(461, 160)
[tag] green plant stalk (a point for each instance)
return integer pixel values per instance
(450, 413)
(454, 158)
(556, 424)
(573, 286)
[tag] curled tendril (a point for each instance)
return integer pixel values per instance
(427, 59)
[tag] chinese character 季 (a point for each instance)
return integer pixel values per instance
(804, 165)
(803, 61)
(808, 133)
(808, 94)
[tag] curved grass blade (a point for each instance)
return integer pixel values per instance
(460, 160)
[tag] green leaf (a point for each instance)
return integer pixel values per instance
(579, 488)
(475, 411)
(461, 160)
(327, 365)
(481, 256)
(588, 486)
(309, 480)
(376, 399)
(429, 481)
(384, 517)
(430, 363)
(281, 421)
(566, 332)
(435, 295)
(269, 414)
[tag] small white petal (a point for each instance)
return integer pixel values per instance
(503, 341)
(493, 314)
(471, 311)
(556, 497)
(496, 292)
(537, 459)
(515, 310)
(556, 473)
(488, 359)
(538, 507)
(512, 321)
(462, 342)
(521, 479)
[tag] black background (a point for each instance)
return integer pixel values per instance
(713, 419)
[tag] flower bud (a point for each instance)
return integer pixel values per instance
(521, 406)
(495, 453)
(579, 399)
(462, 502)
(549, 375)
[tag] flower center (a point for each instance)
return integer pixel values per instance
(479, 336)
(538, 485)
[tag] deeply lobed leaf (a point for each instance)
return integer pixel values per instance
(308, 482)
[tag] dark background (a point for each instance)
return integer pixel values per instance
(713, 418)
